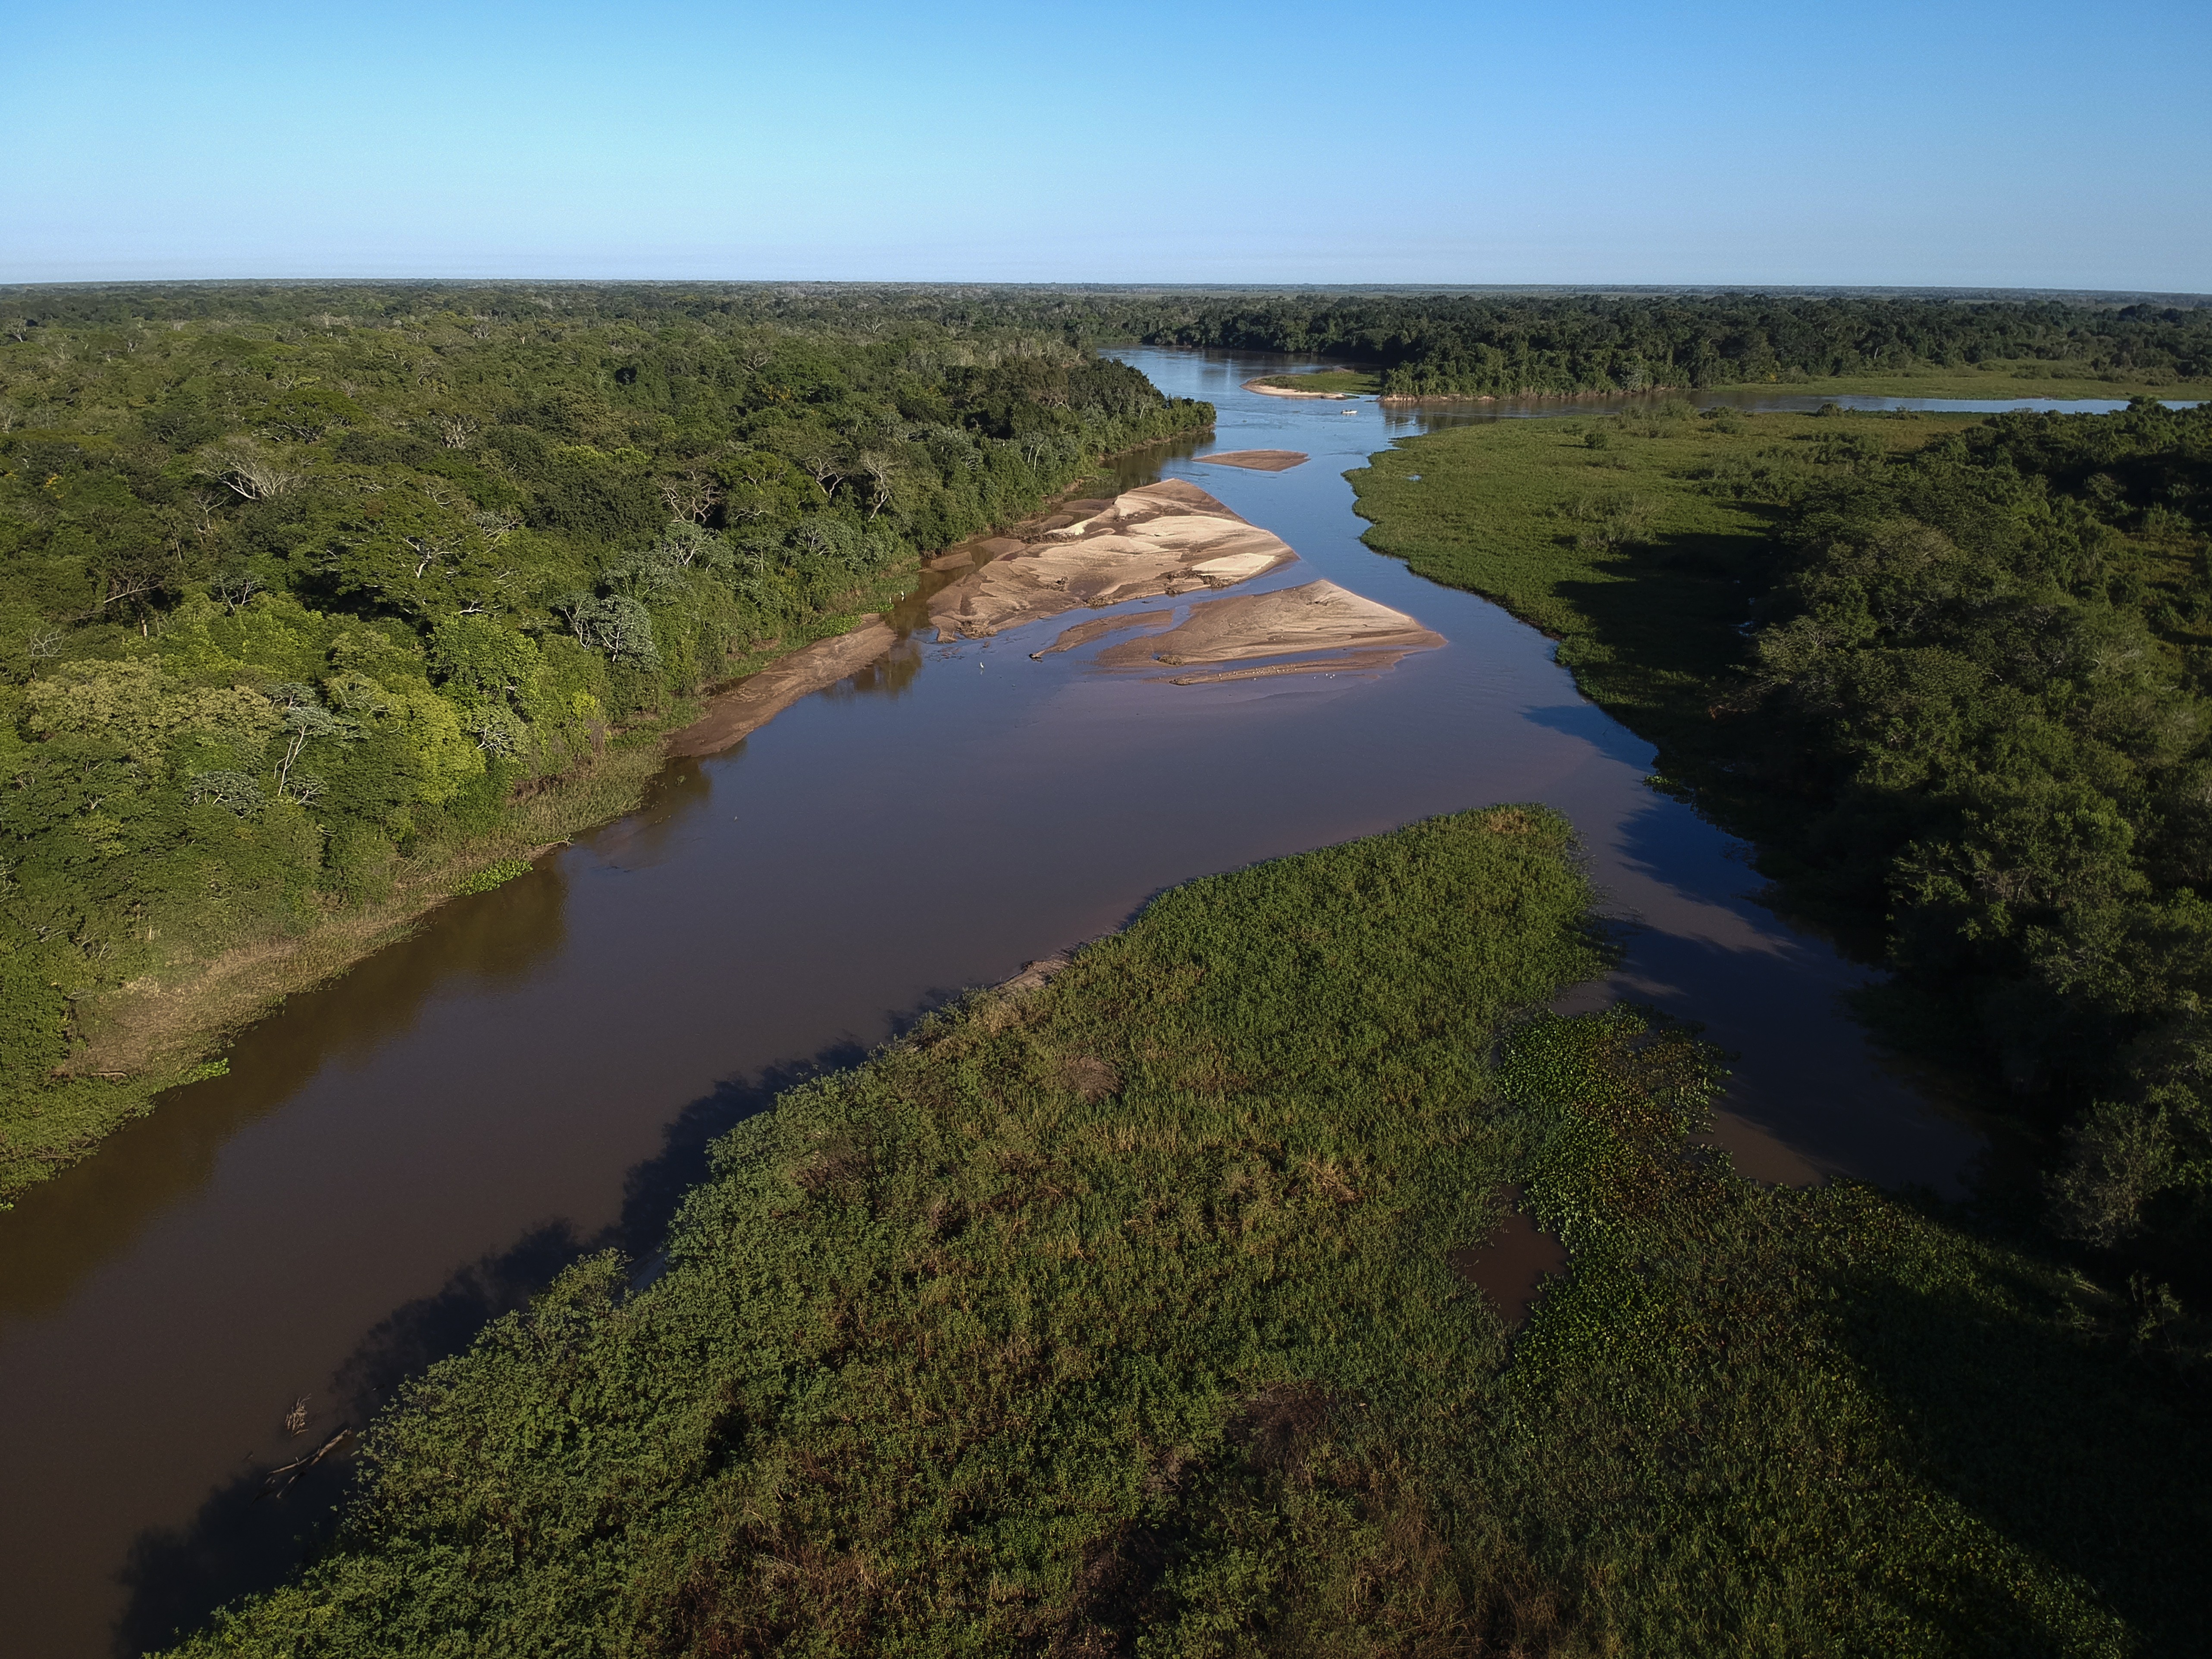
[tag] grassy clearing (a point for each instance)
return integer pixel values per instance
(1114, 1316)
(2001, 379)
(1639, 542)
(1995, 382)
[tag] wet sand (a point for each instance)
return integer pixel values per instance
(1257, 460)
(1084, 632)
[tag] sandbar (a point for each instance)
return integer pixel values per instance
(1084, 633)
(1286, 391)
(1315, 619)
(1259, 460)
(755, 700)
(1159, 540)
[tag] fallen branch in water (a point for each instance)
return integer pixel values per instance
(298, 1467)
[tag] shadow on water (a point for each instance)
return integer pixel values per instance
(1594, 727)
(243, 1540)
(2070, 1445)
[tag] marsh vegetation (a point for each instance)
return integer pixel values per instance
(1119, 1315)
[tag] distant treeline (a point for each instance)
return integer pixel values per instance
(1483, 346)
(1443, 344)
(290, 593)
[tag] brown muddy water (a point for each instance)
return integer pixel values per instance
(396, 1157)
(1513, 1264)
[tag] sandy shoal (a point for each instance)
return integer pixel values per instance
(1159, 541)
(1084, 633)
(1259, 460)
(1336, 627)
(1286, 391)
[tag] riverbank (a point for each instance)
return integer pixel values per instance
(1633, 555)
(166, 1030)
(1823, 625)
(1157, 1275)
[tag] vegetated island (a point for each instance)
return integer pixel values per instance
(1136, 1308)
(319, 606)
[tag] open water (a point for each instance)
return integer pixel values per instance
(398, 1157)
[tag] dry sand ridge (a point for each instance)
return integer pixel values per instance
(1330, 628)
(1161, 540)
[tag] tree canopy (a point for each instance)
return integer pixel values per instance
(286, 594)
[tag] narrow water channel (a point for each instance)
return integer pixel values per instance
(401, 1154)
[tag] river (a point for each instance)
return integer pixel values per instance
(415, 1147)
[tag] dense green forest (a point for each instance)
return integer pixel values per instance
(298, 602)
(1121, 1316)
(1477, 343)
(1955, 683)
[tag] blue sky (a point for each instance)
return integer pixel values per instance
(2025, 144)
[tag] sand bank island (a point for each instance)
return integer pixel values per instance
(1257, 460)
(1159, 541)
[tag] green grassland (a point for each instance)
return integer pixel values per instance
(1995, 380)
(1623, 552)
(1115, 1318)
(1989, 382)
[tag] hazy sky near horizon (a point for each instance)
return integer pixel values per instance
(2027, 144)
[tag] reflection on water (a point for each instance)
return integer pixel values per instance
(415, 1146)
